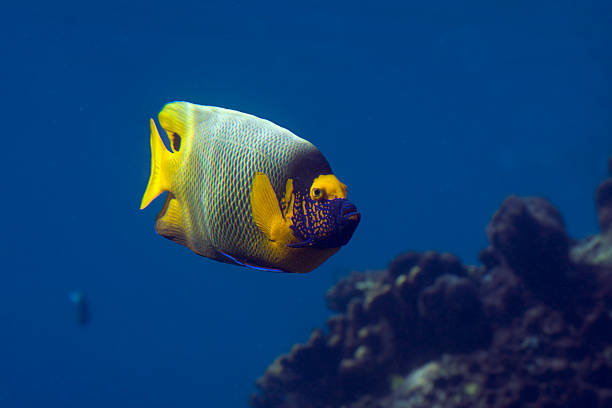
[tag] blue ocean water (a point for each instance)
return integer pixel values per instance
(431, 113)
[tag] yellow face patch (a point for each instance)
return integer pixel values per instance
(322, 216)
(327, 187)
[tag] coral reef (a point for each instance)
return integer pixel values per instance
(531, 327)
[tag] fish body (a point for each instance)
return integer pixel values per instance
(233, 180)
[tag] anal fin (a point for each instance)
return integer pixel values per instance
(259, 268)
(170, 221)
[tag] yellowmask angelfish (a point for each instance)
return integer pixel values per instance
(245, 191)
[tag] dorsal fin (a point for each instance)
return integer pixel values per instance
(176, 118)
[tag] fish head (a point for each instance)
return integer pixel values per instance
(323, 217)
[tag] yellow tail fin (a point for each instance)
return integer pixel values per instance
(161, 168)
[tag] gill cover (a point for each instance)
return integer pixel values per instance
(323, 217)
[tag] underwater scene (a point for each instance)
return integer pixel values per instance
(391, 204)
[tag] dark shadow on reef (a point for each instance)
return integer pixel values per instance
(531, 327)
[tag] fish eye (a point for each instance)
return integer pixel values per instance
(317, 193)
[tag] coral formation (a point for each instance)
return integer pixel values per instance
(531, 327)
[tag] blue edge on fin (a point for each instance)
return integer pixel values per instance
(259, 268)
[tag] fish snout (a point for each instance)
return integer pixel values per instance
(341, 218)
(348, 212)
(348, 219)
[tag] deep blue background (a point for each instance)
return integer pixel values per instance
(430, 112)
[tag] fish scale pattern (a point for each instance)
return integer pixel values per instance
(228, 148)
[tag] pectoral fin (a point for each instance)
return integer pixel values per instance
(266, 211)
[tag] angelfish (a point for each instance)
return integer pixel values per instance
(245, 191)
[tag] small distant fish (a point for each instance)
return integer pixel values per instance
(245, 191)
(81, 307)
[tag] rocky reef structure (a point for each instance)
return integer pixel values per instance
(531, 327)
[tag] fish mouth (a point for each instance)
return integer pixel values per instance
(348, 219)
(349, 213)
(355, 217)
